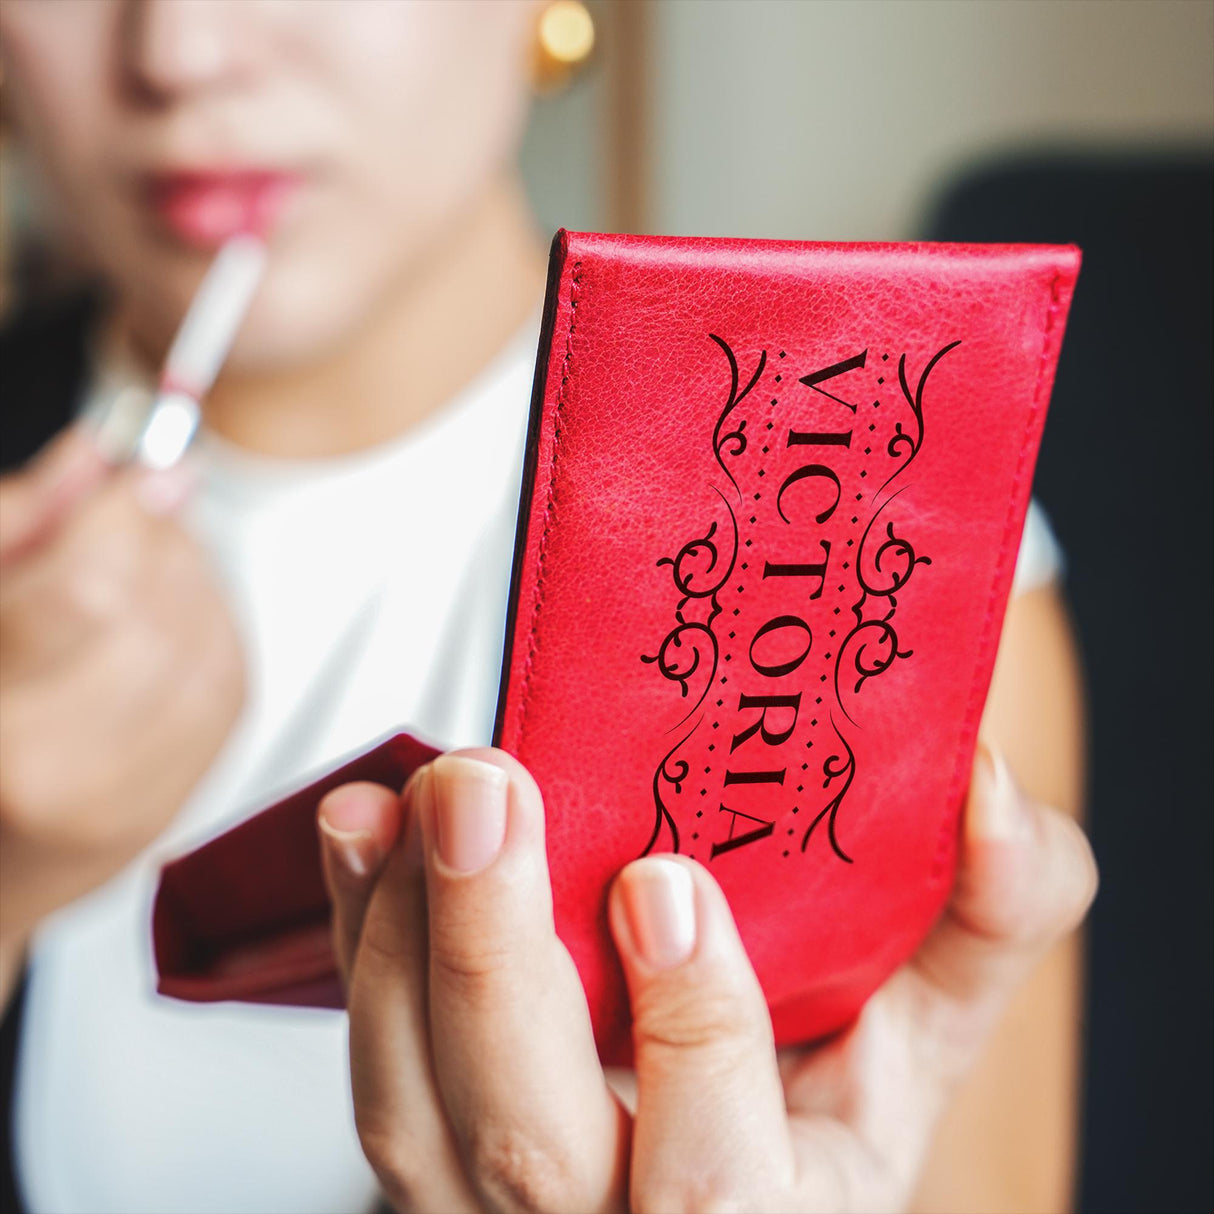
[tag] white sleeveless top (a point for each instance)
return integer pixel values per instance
(371, 592)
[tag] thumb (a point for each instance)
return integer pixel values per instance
(358, 825)
(703, 1041)
(1026, 879)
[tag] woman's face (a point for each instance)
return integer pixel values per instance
(353, 131)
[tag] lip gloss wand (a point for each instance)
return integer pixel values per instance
(160, 433)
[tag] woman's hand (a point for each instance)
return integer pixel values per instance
(120, 673)
(476, 1083)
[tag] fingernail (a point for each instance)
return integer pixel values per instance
(659, 901)
(355, 849)
(469, 805)
(993, 809)
(164, 491)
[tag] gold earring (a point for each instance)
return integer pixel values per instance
(564, 39)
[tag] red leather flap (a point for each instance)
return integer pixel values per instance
(246, 916)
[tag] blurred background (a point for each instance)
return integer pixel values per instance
(1041, 120)
(835, 120)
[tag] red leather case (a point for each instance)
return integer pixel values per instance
(768, 527)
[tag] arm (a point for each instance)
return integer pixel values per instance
(1008, 1142)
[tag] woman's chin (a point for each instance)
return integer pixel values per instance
(280, 340)
(298, 319)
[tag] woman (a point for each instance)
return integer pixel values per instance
(386, 357)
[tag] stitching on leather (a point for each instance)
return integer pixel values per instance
(575, 281)
(975, 700)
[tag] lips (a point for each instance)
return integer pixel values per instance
(205, 208)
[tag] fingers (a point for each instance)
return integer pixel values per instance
(35, 499)
(108, 561)
(117, 581)
(711, 1129)
(514, 1051)
(359, 824)
(116, 645)
(398, 1110)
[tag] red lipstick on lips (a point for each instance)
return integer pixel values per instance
(207, 207)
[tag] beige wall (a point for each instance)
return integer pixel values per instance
(834, 119)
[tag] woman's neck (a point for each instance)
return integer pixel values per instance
(418, 349)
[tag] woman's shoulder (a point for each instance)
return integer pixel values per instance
(1040, 561)
(44, 365)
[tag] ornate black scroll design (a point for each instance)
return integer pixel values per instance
(692, 640)
(699, 570)
(900, 440)
(673, 774)
(733, 442)
(836, 767)
(871, 647)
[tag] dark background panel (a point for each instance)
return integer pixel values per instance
(1125, 474)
